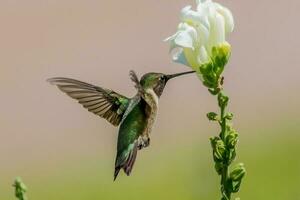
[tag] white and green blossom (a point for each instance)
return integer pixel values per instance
(201, 36)
(200, 43)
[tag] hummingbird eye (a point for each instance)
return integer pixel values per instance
(162, 78)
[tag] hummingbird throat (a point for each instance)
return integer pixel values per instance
(151, 100)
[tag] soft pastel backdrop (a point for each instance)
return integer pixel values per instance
(64, 152)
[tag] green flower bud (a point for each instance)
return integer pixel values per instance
(231, 155)
(235, 178)
(219, 149)
(214, 91)
(234, 186)
(209, 77)
(219, 167)
(20, 189)
(231, 139)
(220, 57)
(223, 100)
(213, 116)
(238, 172)
(229, 116)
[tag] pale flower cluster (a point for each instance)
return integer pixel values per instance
(199, 31)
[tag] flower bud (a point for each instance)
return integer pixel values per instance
(214, 91)
(231, 155)
(235, 178)
(219, 149)
(213, 116)
(220, 57)
(238, 172)
(20, 189)
(219, 167)
(223, 100)
(229, 116)
(208, 75)
(231, 139)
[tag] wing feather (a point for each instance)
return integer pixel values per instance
(102, 102)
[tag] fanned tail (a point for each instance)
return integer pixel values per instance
(128, 163)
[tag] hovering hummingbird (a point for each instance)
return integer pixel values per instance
(135, 115)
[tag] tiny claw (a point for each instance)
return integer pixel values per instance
(147, 142)
(140, 146)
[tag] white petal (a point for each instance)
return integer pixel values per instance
(171, 41)
(220, 29)
(203, 56)
(181, 26)
(179, 57)
(183, 39)
(193, 18)
(204, 5)
(211, 11)
(172, 37)
(217, 31)
(187, 37)
(185, 10)
(202, 1)
(226, 13)
(203, 34)
(203, 9)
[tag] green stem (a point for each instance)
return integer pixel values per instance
(224, 150)
(226, 194)
(223, 123)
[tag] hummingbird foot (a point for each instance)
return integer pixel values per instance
(143, 142)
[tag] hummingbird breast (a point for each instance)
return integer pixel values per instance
(151, 110)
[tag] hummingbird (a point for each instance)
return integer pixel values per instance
(135, 116)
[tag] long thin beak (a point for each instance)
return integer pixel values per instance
(178, 74)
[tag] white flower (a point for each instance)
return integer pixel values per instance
(200, 31)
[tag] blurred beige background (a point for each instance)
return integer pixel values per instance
(43, 130)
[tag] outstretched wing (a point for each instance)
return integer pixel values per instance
(102, 102)
(136, 81)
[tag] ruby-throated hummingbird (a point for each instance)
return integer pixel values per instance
(135, 115)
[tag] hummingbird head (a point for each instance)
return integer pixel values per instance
(158, 81)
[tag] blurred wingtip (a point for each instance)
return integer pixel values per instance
(51, 81)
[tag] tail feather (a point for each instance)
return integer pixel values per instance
(131, 160)
(117, 170)
(127, 165)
